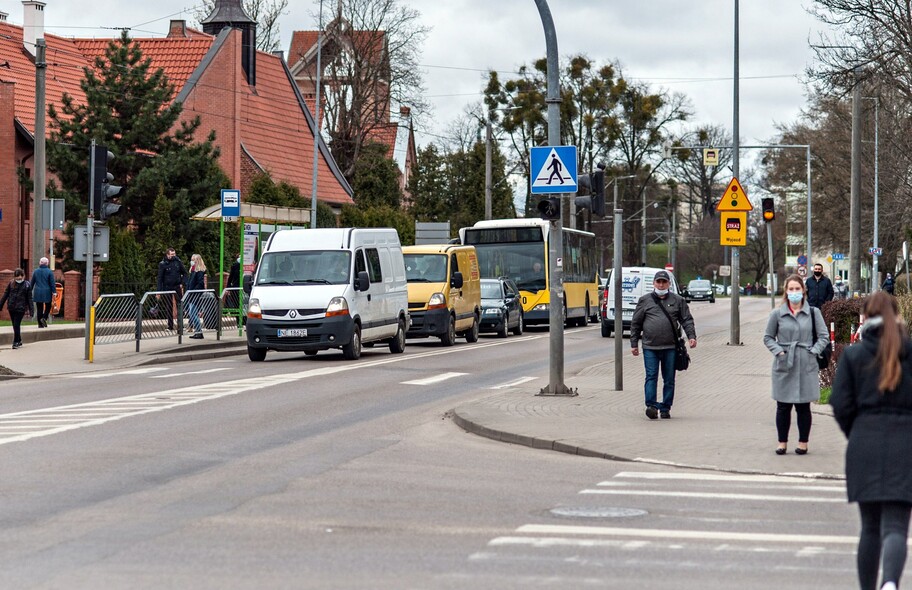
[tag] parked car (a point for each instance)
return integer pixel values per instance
(699, 290)
(501, 307)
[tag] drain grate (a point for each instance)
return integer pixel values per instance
(597, 512)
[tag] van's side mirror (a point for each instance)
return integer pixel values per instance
(362, 281)
(248, 283)
(456, 281)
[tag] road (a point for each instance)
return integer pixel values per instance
(323, 473)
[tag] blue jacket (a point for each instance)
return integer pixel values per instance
(44, 286)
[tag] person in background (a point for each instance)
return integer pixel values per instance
(791, 338)
(872, 402)
(44, 288)
(196, 282)
(889, 285)
(171, 276)
(18, 296)
(819, 288)
(234, 282)
(659, 340)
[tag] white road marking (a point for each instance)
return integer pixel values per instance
(434, 379)
(141, 371)
(797, 486)
(708, 477)
(513, 383)
(169, 375)
(714, 496)
(667, 534)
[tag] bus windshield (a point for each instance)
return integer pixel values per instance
(523, 262)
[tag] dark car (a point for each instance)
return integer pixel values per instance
(501, 307)
(699, 290)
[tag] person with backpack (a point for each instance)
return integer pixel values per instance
(18, 298)
(44, 289)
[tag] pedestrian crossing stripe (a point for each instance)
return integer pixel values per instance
(554, 169)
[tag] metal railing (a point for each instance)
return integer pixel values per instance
(158, 316)
(203, 311)
(234, 308)
(115, 318)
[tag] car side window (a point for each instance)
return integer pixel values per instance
(373, 264)
(454, 265)
(359, 262)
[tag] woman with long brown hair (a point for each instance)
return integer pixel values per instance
(872, 402)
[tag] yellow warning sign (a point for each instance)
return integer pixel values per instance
(734, 199)
(733, 231)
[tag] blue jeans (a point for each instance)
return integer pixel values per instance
(654, 359)
(194, 317)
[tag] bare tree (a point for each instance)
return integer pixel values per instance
(702, 183)
(265, 12)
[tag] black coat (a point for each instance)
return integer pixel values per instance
(18, 296)
(819, 290)
(879, 427)
(171, 274)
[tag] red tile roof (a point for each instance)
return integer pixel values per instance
(301, 42)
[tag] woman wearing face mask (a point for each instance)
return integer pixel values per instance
(18, 294)
(791, 338)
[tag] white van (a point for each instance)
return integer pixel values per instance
(317, 289)
(636, 281)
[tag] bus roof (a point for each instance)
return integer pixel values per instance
(519, 222)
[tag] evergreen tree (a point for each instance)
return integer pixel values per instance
(380, 216)
(376, 180)
(161, 235)
(428, 186)
(126, 270)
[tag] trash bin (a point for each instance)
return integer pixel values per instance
(57, 300)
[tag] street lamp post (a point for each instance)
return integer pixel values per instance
(875, 276)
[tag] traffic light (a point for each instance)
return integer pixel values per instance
(550, 208)
(594, 196)
(769, 212)
(102, 190)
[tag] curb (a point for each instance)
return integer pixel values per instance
(194, 356)
(32, 336)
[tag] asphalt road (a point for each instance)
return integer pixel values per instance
(322, 473)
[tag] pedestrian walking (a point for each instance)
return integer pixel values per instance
(171, 277)
(819, 287)
(18, 299)
(44, 289)
(232, 301)
(196, 282)
(872, 402)
(889, 284)
(658, 319)
(790, 336)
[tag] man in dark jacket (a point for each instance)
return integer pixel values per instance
(819, 287)
(660, 334)
(171, 277)
(44, 289)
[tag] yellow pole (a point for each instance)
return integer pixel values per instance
(92, 334)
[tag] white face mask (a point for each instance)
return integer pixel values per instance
(19, 281)
(661, 292)
(795, 296)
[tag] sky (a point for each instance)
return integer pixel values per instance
(671, 44)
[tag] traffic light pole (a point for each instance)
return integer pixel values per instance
(90, 252)
(556, 237)
(769, 243)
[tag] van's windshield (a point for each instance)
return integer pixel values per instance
(312, 267)
(426, 268)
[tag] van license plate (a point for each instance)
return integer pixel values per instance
(293, 333)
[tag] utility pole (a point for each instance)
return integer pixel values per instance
(488, 165)
(855, 198)
(90, 254)
(875, 265)
(40, 153)
(735, 336)
(643, 231)
(317, 134)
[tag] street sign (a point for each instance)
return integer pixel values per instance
(231, 204)
(710, 157)
(52, 214)
(733, 230)
(554, 169)
(875, 251)
(669, 267)
(734, 199)
(802, 260)
(101, 240)
(802, 271)
(725, 271)
(838, 256)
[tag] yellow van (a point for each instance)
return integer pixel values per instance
(444, 292)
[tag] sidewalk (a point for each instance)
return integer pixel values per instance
(60, 349)
(723, 416)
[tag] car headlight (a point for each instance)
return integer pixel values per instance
(492, 311)
(437, 301)
(337, 306)
(254, 310)
(541, 307)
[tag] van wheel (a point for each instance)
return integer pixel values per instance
(397, 344)
(503, 333)
(352, 350)
(257, 355)
(310, 353)
(449, 337)
(518, 330)
(472, 334)
(606, 329)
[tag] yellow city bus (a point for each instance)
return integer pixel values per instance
(518, 249)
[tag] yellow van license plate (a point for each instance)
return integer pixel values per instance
(293, 333)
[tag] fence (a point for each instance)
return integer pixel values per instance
(120, 317)
(234, 308)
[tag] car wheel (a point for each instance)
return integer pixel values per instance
(472, 334)
(502, 332)
(518, 330)
(606, 329)
(449, 337)
(352, 350)
(397, 344)
(310, 353)
(257, 355)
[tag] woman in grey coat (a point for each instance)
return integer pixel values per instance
(790, 337)
(872, 402)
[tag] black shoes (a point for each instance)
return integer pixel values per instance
(42, 323)
(780, 451)
(197, 336)
(652, 413)
(800, 451)
(17, 345)
(665, 414)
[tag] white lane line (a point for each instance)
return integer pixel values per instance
(708, 477)
(599, 531)
(713, 495)
(434, 379)
(141, 371)
(795, 487)
(204, 371)
(513, 383)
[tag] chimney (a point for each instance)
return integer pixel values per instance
(178, 29)
(230, 14)
(404, 112)
(32, 24)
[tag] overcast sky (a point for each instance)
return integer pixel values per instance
(676, 45)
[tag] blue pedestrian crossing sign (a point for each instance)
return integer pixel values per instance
(553, 169)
